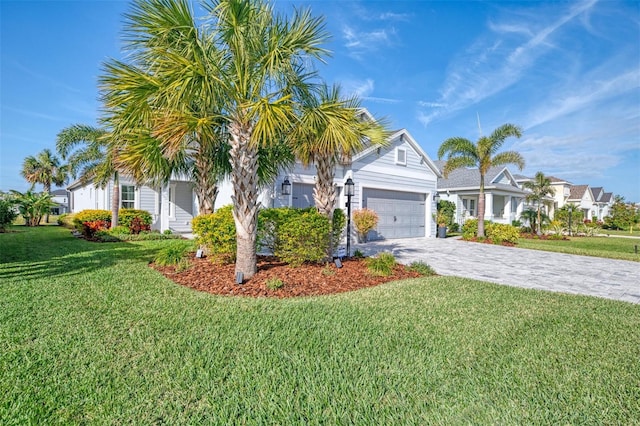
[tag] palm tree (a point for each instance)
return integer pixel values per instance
(166, 107)
(330, 129)
(484, 154)
(92, 155)
(540, 188)
(45, 169)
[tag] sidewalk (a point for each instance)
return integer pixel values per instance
(559, 272)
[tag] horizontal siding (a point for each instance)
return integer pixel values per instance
(147, 199)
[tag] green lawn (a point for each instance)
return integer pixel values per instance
(634, 233)
(609, 247)
(90, 334)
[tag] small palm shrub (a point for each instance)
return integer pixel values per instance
(421, 268)
(364, 220)
(216, 232)
(381, 265)
(274, 283)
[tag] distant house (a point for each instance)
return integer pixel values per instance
(61, 199)
(602, 202)
(581, 197)
(397, 181)
(504, 198)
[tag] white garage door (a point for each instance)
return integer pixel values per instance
(400, 214)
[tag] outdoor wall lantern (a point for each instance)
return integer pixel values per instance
(436, 197)
(286, 187)
(349, 190)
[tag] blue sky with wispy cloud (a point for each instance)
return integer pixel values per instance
(567, 72)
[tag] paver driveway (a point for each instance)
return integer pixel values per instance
(566, 273)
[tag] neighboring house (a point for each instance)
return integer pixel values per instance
(548, 204)
(397, 181)
(581, 197)
(504, 199)
(602, 202)
(61, 198)
(562, 190)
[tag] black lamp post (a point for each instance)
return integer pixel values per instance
(286, 187)
(349, 191)
(570, 214)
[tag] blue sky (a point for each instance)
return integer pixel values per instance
(567, 72)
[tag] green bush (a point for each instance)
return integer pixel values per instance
(90, 216)
(500, 232)
(120, 230)
(421, 268)
(454, 227)
(381, 265)
(274, 283)
(216, 232)
(7, 214)
(269, 223)
(304, 238)
(337, 227)
(174, 255)
(446, 211)
(470, 229)
(135, 220)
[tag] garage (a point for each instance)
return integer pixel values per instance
(400, 214)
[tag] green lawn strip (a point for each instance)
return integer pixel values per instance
(118, 343)
(635, 232)
(608, 247)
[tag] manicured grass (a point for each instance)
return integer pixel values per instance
(90, 334)
(635, 232)
(609, 247)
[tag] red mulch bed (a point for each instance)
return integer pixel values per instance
(304, 280)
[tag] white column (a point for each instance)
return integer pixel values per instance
(488, 206)
(164, 209)
(507, 208)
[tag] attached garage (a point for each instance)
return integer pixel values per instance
(400, 214)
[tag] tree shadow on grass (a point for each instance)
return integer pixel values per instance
(41, 252)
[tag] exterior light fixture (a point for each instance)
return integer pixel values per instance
(349, 190)
(436, 197)
(286, 187)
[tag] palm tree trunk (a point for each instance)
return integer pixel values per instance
(115, 200)
(539, 220)
(206, 190)
(46, 189)
(324, 193)
(481, 208)
(244, 178)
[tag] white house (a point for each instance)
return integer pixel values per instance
(397, 181)
(504, 199)
(61, 199)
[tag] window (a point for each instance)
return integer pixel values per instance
(401, 156)
(469, 205)
(127, 196)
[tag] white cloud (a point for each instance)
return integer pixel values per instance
(495, 63)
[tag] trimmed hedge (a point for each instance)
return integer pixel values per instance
(217, 233)
(304, 239)
(90, 216)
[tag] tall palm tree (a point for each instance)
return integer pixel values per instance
(540, 188)
(46, 169)
(92, 156)
(331, 128)
(483, 154)
(166, 105)
(262, 69)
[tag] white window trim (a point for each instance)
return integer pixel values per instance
(135, 196)
(398, 161)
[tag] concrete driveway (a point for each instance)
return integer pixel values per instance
(565, 273)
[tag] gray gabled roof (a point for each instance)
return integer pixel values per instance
(607, 197)
(554, 179)
(597, 193)
(578, 191)
(465, 178)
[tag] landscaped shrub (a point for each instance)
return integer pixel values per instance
(364, 220)
(135, 220)
(90, 216)
(120, 230)
(501, 232)
(381, 265)
(7, 214)
(337, 227)
(174, 255)
(454, 227)
(217, 233)
(421, 268)
(446, 211)
(269, 222)
(470, 229)
(90, 228)
(304, 238)
(274, 283)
